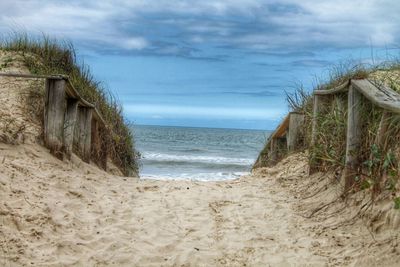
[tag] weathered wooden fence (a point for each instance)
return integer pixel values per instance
(285, 138)
(71, 124)
(357, 91)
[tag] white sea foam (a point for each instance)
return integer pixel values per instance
(197, 159)
(212, 176)
(204, 154)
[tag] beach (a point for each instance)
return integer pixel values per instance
(58, 213)
(71, 213)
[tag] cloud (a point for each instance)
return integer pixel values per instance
(136, 43)
(187, 26)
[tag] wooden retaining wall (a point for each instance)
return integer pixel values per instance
(71, 124)
(356, 91)
(285, 138)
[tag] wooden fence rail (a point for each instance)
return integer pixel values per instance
(357, 90)
(71, 124)
(284, 139)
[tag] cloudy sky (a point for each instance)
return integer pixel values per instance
(211, 63)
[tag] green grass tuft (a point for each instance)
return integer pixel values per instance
(45, 55)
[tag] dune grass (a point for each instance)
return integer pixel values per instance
(45, 55)
(380, 164)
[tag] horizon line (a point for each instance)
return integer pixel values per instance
(203, 127)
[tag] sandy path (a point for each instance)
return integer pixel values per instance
(56, 213)
(231, 223)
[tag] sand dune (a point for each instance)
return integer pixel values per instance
(55, 214)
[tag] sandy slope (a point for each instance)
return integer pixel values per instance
(54, 213)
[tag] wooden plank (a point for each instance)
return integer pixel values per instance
(339, 89)
(103, 133)
(281, 129)
(353, 141)
(70, 89)
(98, 145)
(273, 150)
(77, 133)
(82, 133)
(95, 147)
(54, 143)
(77, 143)
(54, 116)
(296, 120)
(321, 104)
(383, 96)
(87, 136)
(33, 76)
(69, 125)
(317, 107)
(72, 92)
(279, 132)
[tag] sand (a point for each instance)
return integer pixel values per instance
(55, 213)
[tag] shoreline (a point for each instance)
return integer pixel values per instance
(193, 179)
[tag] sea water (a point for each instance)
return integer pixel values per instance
(197, 153)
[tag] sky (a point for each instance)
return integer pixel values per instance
(211, 63)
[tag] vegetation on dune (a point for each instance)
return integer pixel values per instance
(380, 164)
(48, 56)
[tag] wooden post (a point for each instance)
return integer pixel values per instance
(273, 150)
(98, 146)
(103, 148)
(317, 107)
(54, 116)
(296, 120)
(69, 125)
(316, 111)
(87, 134)
(82, 134)
(95, 141)
(353, 141)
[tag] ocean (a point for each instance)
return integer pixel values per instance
(197, 153)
